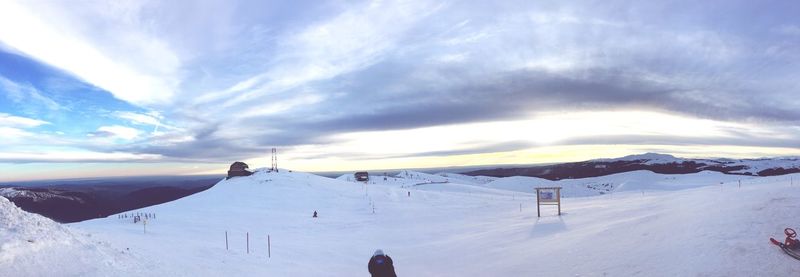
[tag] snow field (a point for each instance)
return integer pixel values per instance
(451, 229)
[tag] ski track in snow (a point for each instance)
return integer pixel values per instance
(644, 224)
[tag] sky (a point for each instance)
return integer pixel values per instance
(118, 88)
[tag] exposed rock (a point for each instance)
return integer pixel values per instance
(239, 169)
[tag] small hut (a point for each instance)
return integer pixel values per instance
(362, 176)
(239, 169)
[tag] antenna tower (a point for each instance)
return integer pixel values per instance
(274, 160)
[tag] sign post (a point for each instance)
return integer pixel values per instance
(548, 196)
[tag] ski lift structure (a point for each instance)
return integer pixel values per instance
(274, 167)
(548, 196)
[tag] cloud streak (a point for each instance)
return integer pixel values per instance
(104, 66)
(7, 120)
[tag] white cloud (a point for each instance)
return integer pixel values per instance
(544, 129)
(282, 105)
(12, 135)
(138, 118)
(143, 72)
(116, 131)
(75, 156)
(7, 120)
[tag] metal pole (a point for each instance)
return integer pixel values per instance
(248, 242)
(538, 212)
(269, 247)
(226, 240)
(558, 193)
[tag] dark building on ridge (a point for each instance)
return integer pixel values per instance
(239, 169)
(362, 176)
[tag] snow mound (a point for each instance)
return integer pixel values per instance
(639, 181)
(466, 179)
(32, 245)
(420, 176)
(346, 177)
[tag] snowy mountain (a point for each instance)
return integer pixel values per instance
(37, 195)
(701, 224)
(658, 163)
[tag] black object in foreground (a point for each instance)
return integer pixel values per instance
(381, 265)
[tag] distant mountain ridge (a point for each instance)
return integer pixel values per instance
(68, 201)
(658, 163)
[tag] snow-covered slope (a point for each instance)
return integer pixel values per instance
(32, 245)
(639, 181)
(466, 179)
(452, 229)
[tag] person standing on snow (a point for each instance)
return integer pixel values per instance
(381, 265)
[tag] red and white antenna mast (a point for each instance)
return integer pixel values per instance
(274, 160)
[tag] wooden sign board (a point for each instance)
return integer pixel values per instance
(548, 196)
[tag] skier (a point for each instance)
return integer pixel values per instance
(315, 214)
(381, 265)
